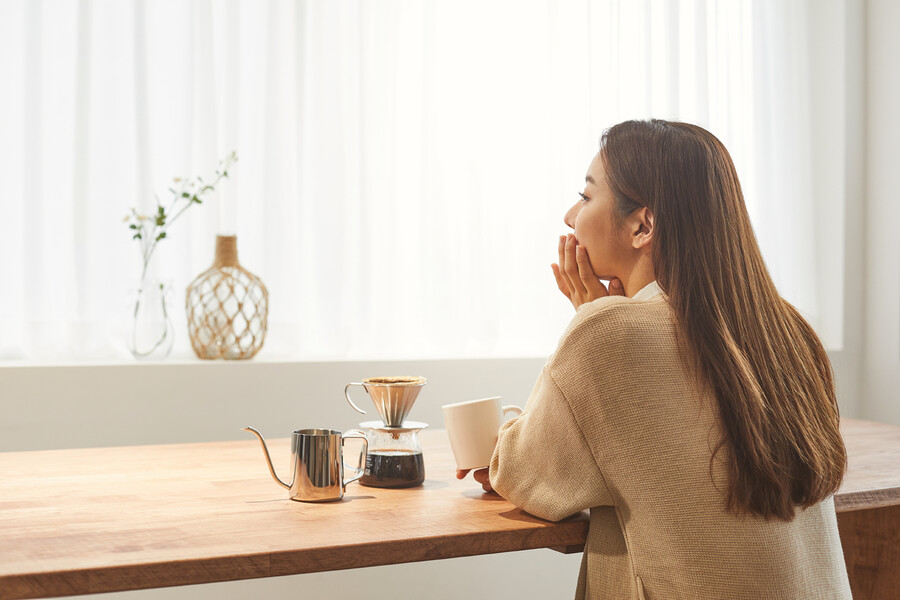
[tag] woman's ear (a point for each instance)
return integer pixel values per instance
(641, 228)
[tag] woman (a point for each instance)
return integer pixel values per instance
(689, 407)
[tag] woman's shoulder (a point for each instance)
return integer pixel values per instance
(619, 315)
(617, 348)
(616, 328)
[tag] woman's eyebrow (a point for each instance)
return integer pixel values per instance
(590, 179)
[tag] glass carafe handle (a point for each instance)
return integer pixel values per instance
(361, 465)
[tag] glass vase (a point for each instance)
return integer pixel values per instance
(150, 333)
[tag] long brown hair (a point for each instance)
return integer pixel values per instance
(767, 368)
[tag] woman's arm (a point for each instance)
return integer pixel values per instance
(481, 475)
(542, 462)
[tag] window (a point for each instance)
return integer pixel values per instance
(403, 166)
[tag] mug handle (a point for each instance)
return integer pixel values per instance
(360, 467)
(511, 408)
(347, 395)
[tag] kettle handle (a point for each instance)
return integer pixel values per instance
(268, 458)
(360, 467)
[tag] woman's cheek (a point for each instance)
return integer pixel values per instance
(598, 258)
(596, 267)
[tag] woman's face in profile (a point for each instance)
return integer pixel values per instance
(592, 219)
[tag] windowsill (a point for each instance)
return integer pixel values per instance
(189, 360)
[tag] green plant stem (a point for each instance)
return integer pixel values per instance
(154, 237)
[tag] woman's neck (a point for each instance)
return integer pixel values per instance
(640, 275)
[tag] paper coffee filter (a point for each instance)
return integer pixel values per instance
(393, 399)
(395, 380)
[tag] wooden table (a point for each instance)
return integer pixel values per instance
(109, 519)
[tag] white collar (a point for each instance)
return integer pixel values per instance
(648, 291)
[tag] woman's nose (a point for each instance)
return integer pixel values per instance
(569, 219)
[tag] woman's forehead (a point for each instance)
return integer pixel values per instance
(595, 173)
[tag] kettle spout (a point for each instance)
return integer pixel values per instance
(268, 459)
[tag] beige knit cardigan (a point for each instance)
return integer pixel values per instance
(616, 424)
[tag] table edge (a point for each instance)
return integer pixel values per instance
(571, 532)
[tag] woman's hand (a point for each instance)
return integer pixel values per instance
(482, 476)
(575, 277)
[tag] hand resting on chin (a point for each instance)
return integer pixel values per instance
(575, 277)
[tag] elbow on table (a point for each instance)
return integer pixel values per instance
(553, 513)
(524, 497)
(547, 512)
(532, 496)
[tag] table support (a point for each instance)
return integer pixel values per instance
(871, 542)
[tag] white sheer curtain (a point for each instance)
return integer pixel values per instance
(404, 165)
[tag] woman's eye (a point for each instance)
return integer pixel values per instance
(583, 197)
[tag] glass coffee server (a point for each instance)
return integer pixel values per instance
(394, 459)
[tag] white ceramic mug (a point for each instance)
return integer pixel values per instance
(472, 427)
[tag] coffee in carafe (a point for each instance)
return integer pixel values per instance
(393, 469)
(395, 458)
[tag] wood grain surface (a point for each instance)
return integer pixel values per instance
(109, 519)
(873, 466)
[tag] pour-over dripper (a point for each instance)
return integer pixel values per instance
(393, 396)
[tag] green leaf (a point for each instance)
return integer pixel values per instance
(132, 226)
(162, 211)
(136, 236)
(185, 195)
(161, 236)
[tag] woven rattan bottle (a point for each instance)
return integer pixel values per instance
(227, 307)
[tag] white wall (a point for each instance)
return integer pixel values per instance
(837, 55)
(856, 83)
(45, 407)
(881, 357)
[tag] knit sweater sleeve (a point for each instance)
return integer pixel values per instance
(542, 462)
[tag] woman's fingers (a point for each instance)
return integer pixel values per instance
(483, 477)
(562, 251)
(575, 276)
(561, 281)
(591, 283)
(559, 272)
(615, 287)
(571, 268)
